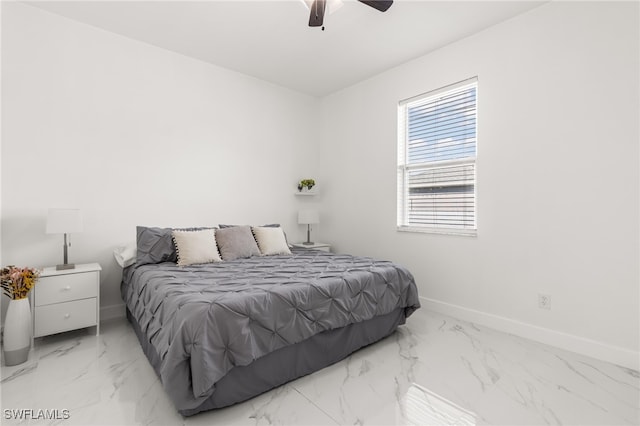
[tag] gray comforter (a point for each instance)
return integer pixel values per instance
(203, 320)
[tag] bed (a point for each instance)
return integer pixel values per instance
(223, 332)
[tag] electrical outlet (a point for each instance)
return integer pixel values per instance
(544, 301)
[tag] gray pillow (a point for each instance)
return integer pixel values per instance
(236, 242)
(154, 245)
(269, 225)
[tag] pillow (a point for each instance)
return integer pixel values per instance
(196, 247)
(271, 240)
(270, 225)
(236, 242)
(125, 255)
(154, 245)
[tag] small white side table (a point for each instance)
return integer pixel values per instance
(314, 246)
(67, 300)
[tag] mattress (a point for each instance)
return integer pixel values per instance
(203, 323)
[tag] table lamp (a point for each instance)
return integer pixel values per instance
(308, 217)
(64, 221)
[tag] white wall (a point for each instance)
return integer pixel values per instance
(136, 135)
(558, 184)
(133, 134)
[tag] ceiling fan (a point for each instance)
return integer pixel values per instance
(318, 7)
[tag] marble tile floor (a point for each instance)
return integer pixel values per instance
(435, 370)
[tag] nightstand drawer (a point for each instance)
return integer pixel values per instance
(65, 288)
(64, 317)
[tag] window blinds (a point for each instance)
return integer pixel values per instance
(436, 159)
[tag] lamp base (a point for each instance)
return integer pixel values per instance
(65, 266)
(308, 243)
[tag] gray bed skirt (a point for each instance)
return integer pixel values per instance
(288, 363)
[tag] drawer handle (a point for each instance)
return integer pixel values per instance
(66, 316)
(67, 288)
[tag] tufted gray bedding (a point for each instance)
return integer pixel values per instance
(202, 321)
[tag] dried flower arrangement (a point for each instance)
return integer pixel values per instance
(17, 282)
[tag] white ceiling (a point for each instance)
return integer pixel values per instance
(270, 40)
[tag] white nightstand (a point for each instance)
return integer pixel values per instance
(67, 300)
(314, 246)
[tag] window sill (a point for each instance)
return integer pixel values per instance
(441, 231)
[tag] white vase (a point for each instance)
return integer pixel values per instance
(17, 332)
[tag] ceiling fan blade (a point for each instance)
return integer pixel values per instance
(316, 17)
(381, 5)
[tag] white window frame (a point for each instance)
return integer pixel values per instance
(404, 168)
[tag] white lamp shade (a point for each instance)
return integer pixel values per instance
(64, 221)
(306, 217)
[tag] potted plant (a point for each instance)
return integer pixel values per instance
(16, 284)
(306, 183)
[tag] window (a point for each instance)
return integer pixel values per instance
(437, 160)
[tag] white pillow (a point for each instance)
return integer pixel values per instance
(196, 247)
(270, 240)
(126, 255)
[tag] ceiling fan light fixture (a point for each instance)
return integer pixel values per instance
(332, 5)
(317, 8)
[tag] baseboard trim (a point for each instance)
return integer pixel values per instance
(112, 312)
(592, 348)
